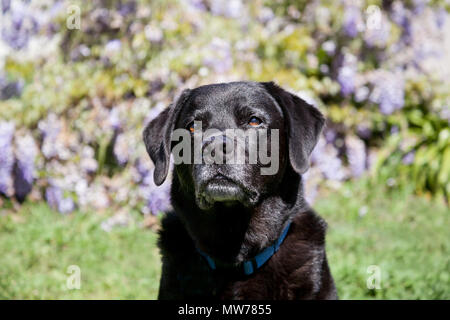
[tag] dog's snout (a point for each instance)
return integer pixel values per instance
(227, 144)
(218, 142)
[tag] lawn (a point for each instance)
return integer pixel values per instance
(404, 236)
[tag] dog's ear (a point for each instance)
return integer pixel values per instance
(304, 125)
(157, 136)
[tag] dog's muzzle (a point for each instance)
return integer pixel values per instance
(222, 189)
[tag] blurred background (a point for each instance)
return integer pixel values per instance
(79, 81)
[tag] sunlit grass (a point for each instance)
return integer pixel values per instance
(405, 236)
(37, 246)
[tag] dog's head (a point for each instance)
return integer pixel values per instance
(249, 107)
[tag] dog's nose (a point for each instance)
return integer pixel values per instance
(227, 144)
(218, 142)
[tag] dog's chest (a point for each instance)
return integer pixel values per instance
(297, 270)
(277, 279)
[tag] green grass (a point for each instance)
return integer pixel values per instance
(405, 236)
(36, 251)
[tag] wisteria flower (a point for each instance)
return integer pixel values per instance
(97, 196)
(121, 149)
(378, 31)
(24, 169)
(113, 46)
(121, 219)
(18, 24)
(388, 92)
(227, 8)
(219, 57)
(347, 75)
(154, 112)
(441, 17)
(114, 119)
(408, 158)
(6, 157)
(353, 21)
(154, 34)
(325, 157)
(265, 15)
(159, 200)
(50, 129)
(88, 162)
(56, 200)
(329, 47)
(356, 155)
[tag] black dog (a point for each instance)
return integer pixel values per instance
(235, 233)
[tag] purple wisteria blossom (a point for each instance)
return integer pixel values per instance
(120, 150)
(5, 5)
(265, 15)
(356, 155)
(154, 34)
(408, 158)
(330, 135)
(120, 142)
(325, 158)
(157, 197)
(353, 21)
(159, 200)
(363, 131)
(197, 4)
(361, 94)
(227, 8)
(126, 8)
(219, 57)
(378, 32)
(114, 119)
(50, 129)
(121, 219)
(113, 46)
(6, 157)
(346, 78)
(347, 75)
(402, 17)
(154, 112)
(87, 161)
(66, 206)
(388, 92)
(143, 171)
(18, 24)
(54, 196)
(310, 185)
(24, 169)
(419, 6)
(399, 14)
(329, 47)
(441, 17)
(445, 113)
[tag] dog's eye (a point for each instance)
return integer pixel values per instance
(254, 121)
(191, 127)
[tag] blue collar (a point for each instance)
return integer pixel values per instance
(251, 265)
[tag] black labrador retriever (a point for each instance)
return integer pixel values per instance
(236, 233)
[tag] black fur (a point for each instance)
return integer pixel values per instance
(237, 230)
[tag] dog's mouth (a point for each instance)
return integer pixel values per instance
(224, 190)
